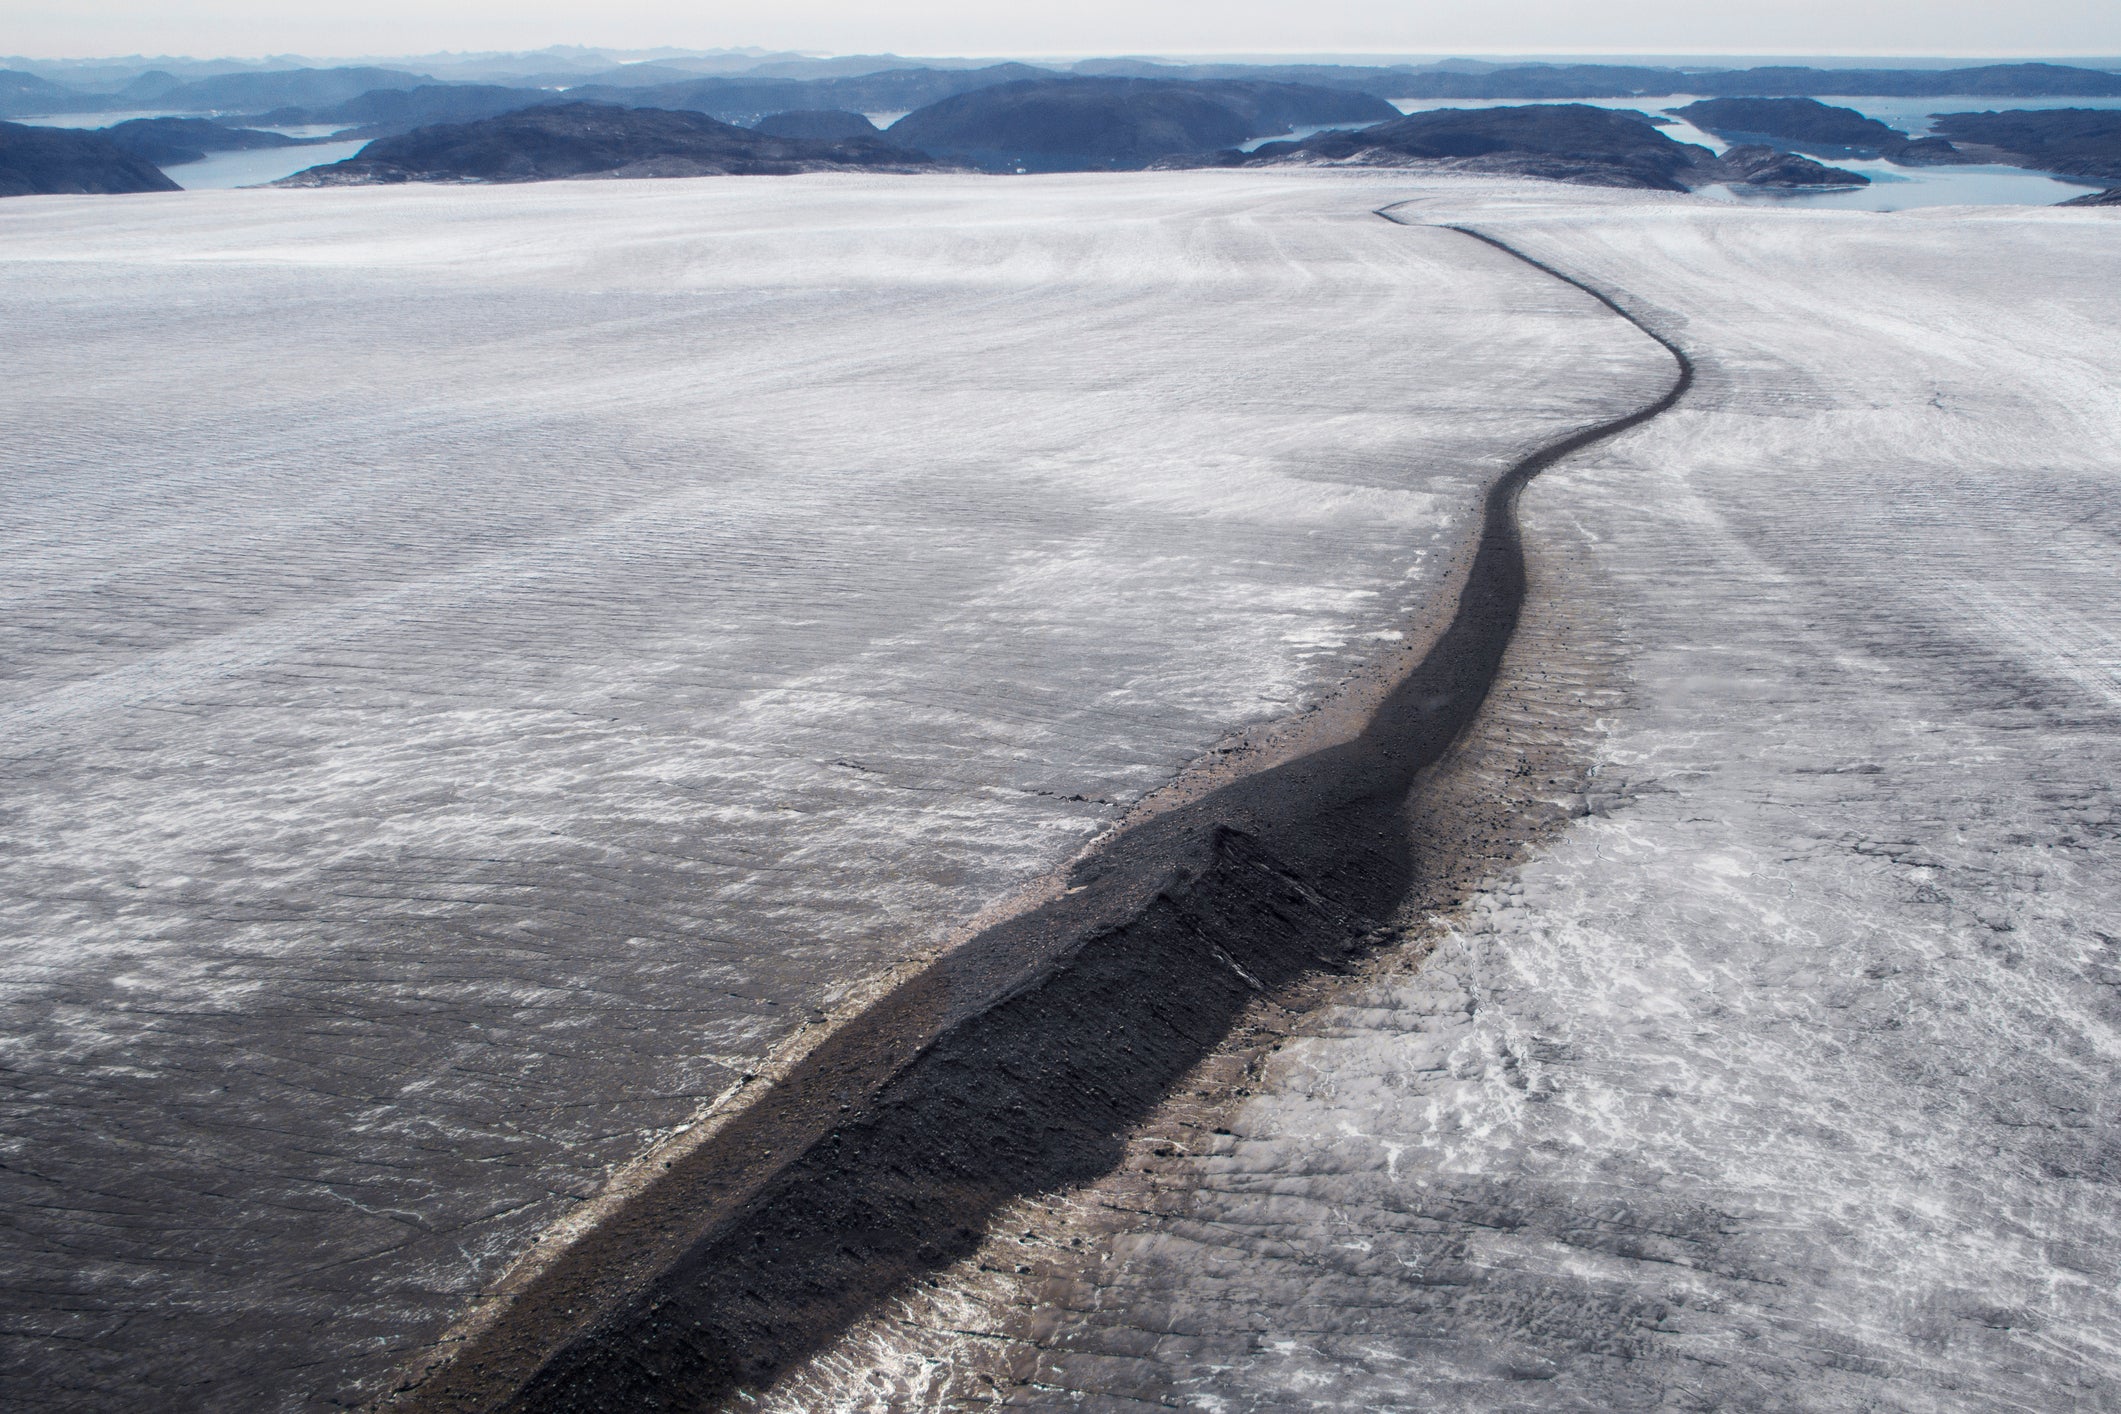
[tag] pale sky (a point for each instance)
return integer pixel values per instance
(215, 28)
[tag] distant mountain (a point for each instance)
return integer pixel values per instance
(619, 76)
(1566, 142)
(1794, 120)
(1062, 124)
(53, 161)
(149, 87)
(818, 124)
(746, 99)
(1985, 81)
(171, 142)
(283, 88)
(1564, 81)
(25, 95)
(1622, 81)
(2074, 142)
(853, 66)
(596, 140)
(1271, 107)
(385, 112)
(2096, 198)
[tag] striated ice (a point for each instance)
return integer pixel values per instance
(482, 668)
(1784, 1078)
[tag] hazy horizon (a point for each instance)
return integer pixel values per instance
(628, 54)
(1858, 29)
(442, 60)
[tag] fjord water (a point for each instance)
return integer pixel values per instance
(487, 667)
(1895, 188)
(220, 170)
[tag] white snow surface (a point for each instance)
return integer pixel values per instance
(1785, 1079)
(482, 667)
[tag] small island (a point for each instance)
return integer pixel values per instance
(1072, 124)
(575, 140)
(1811, 126)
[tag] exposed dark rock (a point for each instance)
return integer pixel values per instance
(1818, 128)
(818, 124)
(1272, 107)
(1072, 124)
(1051, 125)
(1987, 80)
(1567, 142)
(1562, 142)
(746, 98)
(2073, 142)
(1799, 122)
(1927, 152)
(23, 93)
(306, 88)
(168, 142)
(2095, 198)
(1768, 167)
(1465, 79)
(147, 87)
(386, 112)
(51, 161)
(594, 140)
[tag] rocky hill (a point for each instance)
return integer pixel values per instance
(168, 142)
(595, 140)
(25, 93)
(816, 124)
(2075, 142)
(1566, 142)
(1797, 120)
(56, 161)
(386, 112)
(1076, 124)
(254, 92)
(1815, 127)
(746, 98)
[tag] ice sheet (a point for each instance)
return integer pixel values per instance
(483, 667)
(1785, 1079)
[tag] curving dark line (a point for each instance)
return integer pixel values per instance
(1017, 1063)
